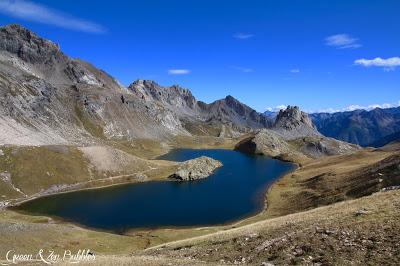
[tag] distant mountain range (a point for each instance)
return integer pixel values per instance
(374, 128)
(365, 128)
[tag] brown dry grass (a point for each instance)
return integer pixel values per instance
(25, 233)
(34, 169)
(331, 235)
(320, 182)
(39, 170)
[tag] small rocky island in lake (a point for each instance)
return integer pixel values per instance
(194, 169)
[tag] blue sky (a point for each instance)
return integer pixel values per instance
(315, 54)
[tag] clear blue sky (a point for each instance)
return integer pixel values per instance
(265, 53)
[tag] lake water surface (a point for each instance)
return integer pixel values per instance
(234, 191)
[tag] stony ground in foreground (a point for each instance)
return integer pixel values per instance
(358, 232)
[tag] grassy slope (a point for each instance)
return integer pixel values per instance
(27, 233)
(331, 235)
(83, 120)
(37, 169)
(322, 182)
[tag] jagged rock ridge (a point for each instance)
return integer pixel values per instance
(49, 98)
(44, 59)
(219, 115)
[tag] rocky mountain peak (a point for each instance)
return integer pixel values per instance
(292, 123)
(234, 103)
(230, 98)
(173, 95)
(231, 109)
(31, 54)
(292, 117)
(28, 46)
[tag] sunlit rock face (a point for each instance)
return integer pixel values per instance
(292, 123)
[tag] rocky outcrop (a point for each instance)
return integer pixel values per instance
(292, 123)
(265, 142)
(271, 143)
(292, 118)
(268, 142)
(198, 168)
(175, 95)
(28, 46)
(319, 146)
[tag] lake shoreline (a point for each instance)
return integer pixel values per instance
(230, 222)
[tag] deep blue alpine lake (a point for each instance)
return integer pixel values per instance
(234, 191)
